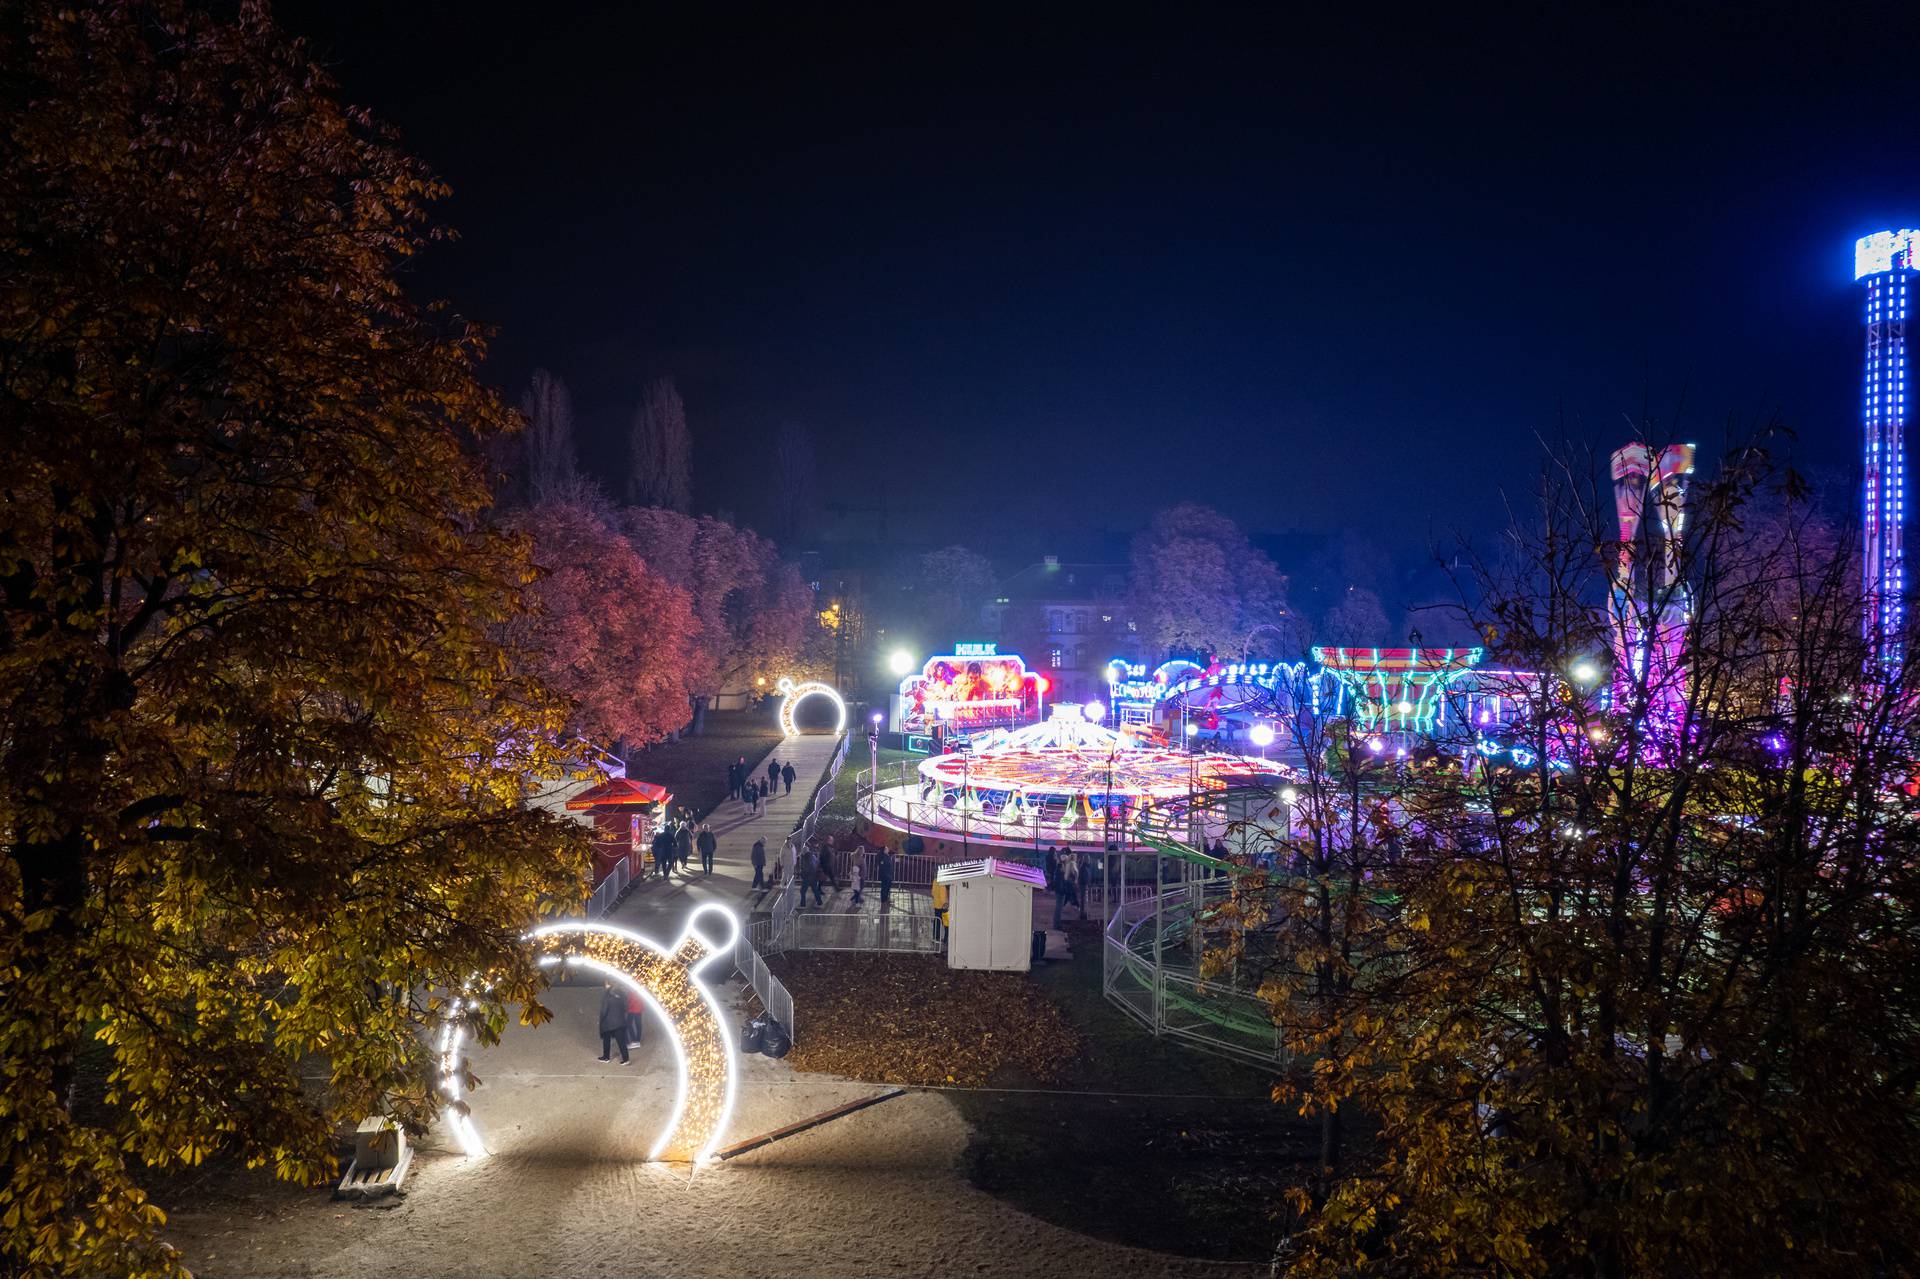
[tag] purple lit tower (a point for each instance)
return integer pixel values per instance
(1886, 262)
(1650, 605)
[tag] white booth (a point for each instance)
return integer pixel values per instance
(990, 914)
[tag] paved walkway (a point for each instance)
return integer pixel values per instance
(652, 905)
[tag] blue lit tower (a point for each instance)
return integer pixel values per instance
(1886, 262)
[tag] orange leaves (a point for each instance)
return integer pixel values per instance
(910, 1020)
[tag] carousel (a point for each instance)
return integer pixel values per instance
(1067, 782)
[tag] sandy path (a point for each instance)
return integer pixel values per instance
(565, 1191)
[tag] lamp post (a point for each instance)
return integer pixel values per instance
(966, 812)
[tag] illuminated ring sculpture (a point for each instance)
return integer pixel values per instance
(668, 979)
(797, 693)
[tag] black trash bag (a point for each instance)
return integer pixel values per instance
(774, 1040)
(752, 1035)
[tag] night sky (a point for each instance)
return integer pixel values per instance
(1045, 270)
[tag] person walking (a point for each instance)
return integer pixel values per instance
(1063, 878)
(636, 1018)
(759, 860)
(1052, 868)
(746, 775)
(683, 845)
(753, 795)
(706, 843)
(773, 776)
(613, 1024)
(787, 775)
(1084, 863)
(886, 878)
(855, 878)
(663, 851)
(733, 781)
(810, 877)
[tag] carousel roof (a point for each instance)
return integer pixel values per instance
(1067, 728)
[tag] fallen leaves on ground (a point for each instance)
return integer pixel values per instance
(901, 1020)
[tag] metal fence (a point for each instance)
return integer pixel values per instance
(1167, 996)
(895, 930)
(774, 934)
(773, 996)
(607, 891)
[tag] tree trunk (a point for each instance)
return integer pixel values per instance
(699, 716)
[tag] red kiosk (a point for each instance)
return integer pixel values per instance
(625, 815)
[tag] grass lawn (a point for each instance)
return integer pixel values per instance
(695, 768)
(839, 815)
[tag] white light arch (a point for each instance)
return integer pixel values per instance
(797, 693)
(668, 980)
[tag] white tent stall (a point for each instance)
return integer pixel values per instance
(990, 914)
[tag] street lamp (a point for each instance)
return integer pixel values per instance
(1584, 672)
(873, 753)
(900, 662)
(1262, 737)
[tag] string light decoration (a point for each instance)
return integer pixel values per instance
(668, 979)
(797, 693)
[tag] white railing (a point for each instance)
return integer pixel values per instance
(774, 934)
(607, 892)
(895, 930)
(788, 900)
(773, 996)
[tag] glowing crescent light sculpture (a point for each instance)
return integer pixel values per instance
(797, 693)
(668, 979)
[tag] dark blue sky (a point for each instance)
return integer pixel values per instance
(1048, 270)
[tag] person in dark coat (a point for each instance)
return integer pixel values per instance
(884, 873)
(773, 776)
(733, 781)
(613, 1024)
(663, 852)
(759, 859)
(683, 845)
(706, 843)
(787, 775)
(810, 877)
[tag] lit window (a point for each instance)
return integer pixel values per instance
(1053, 658)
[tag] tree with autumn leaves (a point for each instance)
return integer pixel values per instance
(275, 680)
(1636, 998)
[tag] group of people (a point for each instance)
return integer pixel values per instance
(821, 863)
(675, 843)
(750, 789)
(621, 1015)
(1068, 876)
